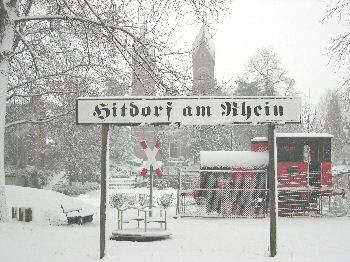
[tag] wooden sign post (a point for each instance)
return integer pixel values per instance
(186, 110)
(104, 167)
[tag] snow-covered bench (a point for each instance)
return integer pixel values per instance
(76, 215)
(121, 220)
(161, 218)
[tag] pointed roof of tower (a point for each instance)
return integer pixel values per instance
(204, 37)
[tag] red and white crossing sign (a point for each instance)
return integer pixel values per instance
(151, 158)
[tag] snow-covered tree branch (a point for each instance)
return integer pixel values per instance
(54, 51)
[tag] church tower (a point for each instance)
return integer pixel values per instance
(203, 63)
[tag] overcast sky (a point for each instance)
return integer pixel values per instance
(291, 27)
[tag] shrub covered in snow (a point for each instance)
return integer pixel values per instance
(165, 200)
(76, 188)
(118, 200)
(161, 183)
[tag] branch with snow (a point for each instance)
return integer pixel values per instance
(39, 120)
(72, 18)
(40, 94)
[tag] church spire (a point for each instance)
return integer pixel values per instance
(203, 62)
(204, 38)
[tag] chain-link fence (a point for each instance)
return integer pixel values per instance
(244, 193)
(223, 193)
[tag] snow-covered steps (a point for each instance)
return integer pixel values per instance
(122, 182)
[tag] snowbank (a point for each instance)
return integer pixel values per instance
(45, 204)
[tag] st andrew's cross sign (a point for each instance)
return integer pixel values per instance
(151, 158)
(187, 110)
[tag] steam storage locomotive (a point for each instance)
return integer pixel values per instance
(235, 182)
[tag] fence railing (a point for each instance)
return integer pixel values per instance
(224, 193)
(244, 193)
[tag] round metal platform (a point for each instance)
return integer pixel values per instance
(139, 236)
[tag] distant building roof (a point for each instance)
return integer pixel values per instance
(232, 159)
(301, 135)
(259, 139)
(304, 135)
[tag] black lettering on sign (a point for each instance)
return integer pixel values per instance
(267, 109)
(102, 111)
(278, 110)
(257, 110)
(187, 111)
(157, 110)
(114, 110)
(168, 109)
(226, 109)
(124, 108)
(203, 110)
(246, 110)
(145, 111)
(134, 110)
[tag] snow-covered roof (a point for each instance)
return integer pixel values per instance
(231, 159)
(259, 139)
(302, 135)
(204, 37)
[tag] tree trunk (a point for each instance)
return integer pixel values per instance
(7, 32)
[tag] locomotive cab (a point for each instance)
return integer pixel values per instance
(303, 172)
(305, 158)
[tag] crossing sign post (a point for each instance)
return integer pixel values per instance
(149, 165)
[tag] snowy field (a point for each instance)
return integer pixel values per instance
(48, 238)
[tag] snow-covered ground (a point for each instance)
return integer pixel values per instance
(194, 239)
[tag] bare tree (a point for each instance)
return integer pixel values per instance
(58, 50)
(265, 74)
(339, 48)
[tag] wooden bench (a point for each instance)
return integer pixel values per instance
(76, 215)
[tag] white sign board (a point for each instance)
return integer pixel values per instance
(187, 110)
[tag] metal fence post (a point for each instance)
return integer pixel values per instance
(178, 192)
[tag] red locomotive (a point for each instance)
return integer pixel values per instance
(304, 171)
(235, 182)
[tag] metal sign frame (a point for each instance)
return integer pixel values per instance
(188, 110)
